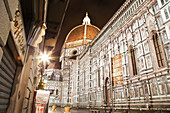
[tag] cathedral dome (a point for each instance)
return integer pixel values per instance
(82, 34)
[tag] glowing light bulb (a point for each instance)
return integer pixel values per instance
(44, 57)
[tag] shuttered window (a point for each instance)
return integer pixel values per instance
(7, 72)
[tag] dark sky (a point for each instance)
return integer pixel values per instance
(99, 11)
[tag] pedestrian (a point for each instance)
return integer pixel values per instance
(110, 111)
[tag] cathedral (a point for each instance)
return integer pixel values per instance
(125, 65)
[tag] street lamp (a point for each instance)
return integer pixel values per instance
(44, 57)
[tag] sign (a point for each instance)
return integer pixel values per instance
(117, 73)
(18, 34)
(39, 108)
(42, 96)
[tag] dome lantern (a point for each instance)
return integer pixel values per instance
(86, 20)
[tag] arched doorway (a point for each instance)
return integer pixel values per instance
(107, 92)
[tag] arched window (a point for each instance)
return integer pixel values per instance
(90, 97)
(99, 78)
(56, 91)
(84, 79)
(133, 60)
(166, 13)
(162, 1)
(158, 50)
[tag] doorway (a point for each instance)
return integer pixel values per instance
(107, 92)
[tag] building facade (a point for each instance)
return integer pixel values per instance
(53, 83)
(19, 48)
(126, 64)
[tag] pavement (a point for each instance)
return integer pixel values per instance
(61, 110)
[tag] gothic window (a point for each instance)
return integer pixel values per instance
(140, 51)
(151, 10)
(146, 47)
(126, 58)
(123, 35)
(137, 37)
(164, 36)
(131, 92)
(142, 62)
(139, 64)
(84, 79)
(158, 50)
(127, 72)
(141, 91)
(125, 45)
(156, 8)
(90, 97)
(124, 70)
(120, 38)
(129, 38)
(166, 13)
(141, 20)
(162, 1)
(154, 88)
(133, 26)
(98, 78)
(160, 21)
(121, 46)
(133, 61)
(56, 91)
(137, 3)
(123, 59)
(116, 49)
(168, 52)
(143, 33)
(90, 69)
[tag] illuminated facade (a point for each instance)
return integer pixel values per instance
(126, 65)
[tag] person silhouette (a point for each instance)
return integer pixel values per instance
(110, 111)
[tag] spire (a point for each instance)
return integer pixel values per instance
(86, 19)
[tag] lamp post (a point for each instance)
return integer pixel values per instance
(44, 58)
